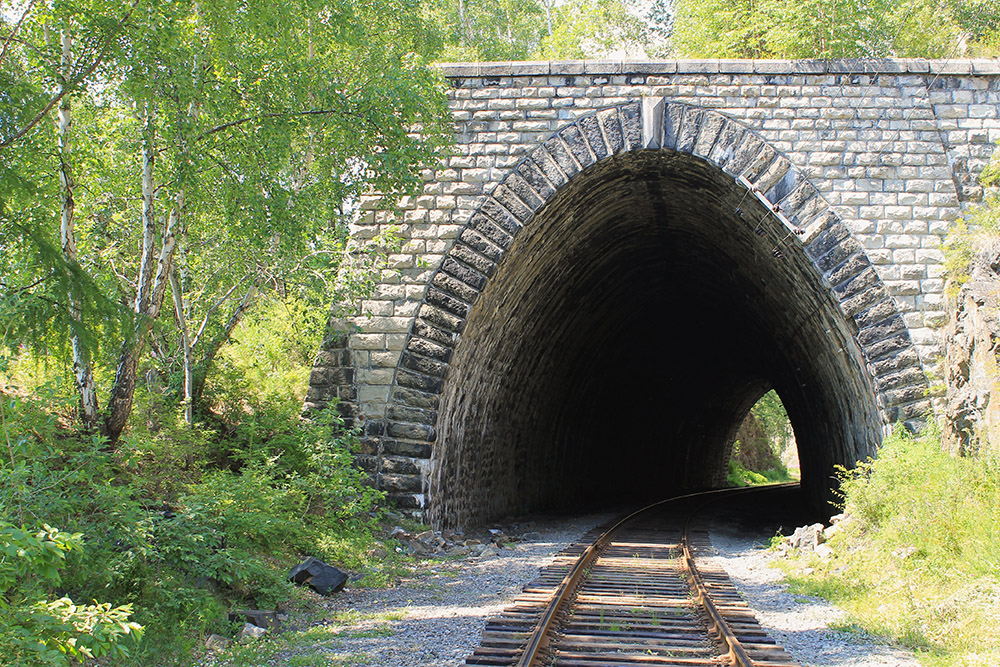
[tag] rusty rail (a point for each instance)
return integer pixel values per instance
(586, 646)
(737, 655)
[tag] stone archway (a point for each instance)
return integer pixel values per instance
(549, 308)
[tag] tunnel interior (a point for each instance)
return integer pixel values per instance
(624, 336)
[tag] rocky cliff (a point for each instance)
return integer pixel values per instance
(972, 337)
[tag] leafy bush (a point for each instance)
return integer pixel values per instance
(917, 559)
(183, 522)
(35, 631)
(179, 535)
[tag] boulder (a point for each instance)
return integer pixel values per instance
(322, 578)
(251, 631)
(807, 538)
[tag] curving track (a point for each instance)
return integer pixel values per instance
(634, 594)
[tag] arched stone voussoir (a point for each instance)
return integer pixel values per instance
(590, 129)
(758, 166)
(506, 198)
(802, 205)
(631, 120)
(614, 136)
(522, 189)
(501, 215)
(749, 147)
(776, 180)
(572, 136)
(546, 163)
(535, 178)
(560, 153)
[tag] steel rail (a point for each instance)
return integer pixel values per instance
(737, 655)
(540, 637)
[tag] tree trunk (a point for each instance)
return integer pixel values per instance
(123, 389)
(148, 222)
(465, 34)
(83, 371)
(175, 288)
(201, 371)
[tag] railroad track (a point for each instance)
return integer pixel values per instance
(633, 594)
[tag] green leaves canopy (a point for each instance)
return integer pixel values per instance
(260, 124)
(835, 28)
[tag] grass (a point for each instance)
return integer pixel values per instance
(918, 560)
(316, 646)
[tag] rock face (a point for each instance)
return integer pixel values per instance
(972, 412)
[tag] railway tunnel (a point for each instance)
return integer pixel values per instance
(623, 338)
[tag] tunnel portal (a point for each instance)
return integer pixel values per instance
(585, 309)
(624, 337)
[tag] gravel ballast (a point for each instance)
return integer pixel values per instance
(803, 625)
(436, 617)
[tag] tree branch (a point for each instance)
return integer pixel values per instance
(276, 114)
(208, 314)
(71, 84)
(13, 31)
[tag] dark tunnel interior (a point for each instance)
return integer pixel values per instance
(624, 336)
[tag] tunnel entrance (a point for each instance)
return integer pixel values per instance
(624, 336)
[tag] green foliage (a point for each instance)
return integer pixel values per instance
(35, 631)
(594, 29)
(917, 559)
(833, 28)
(762, 441)
(738, 475)
(261, 130)
(270, 357)
(478, 30)
(185, 524)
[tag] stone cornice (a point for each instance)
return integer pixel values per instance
(979, 66)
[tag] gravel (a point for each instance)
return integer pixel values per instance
(803, 625)
(436, 617)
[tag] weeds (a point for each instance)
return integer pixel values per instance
(917, 560)
(180, 524)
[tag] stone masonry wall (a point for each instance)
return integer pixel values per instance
(894, 146)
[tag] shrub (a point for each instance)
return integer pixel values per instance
(917, 558)
(35, 631)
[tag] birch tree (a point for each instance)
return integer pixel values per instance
(233, 135)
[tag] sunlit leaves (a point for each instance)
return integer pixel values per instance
(831, 28)
(269, 120)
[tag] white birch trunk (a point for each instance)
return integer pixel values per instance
(145, 277)
(165, 261)
(175, 288)
(83, 371)
(465, 36)
(123, 389)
